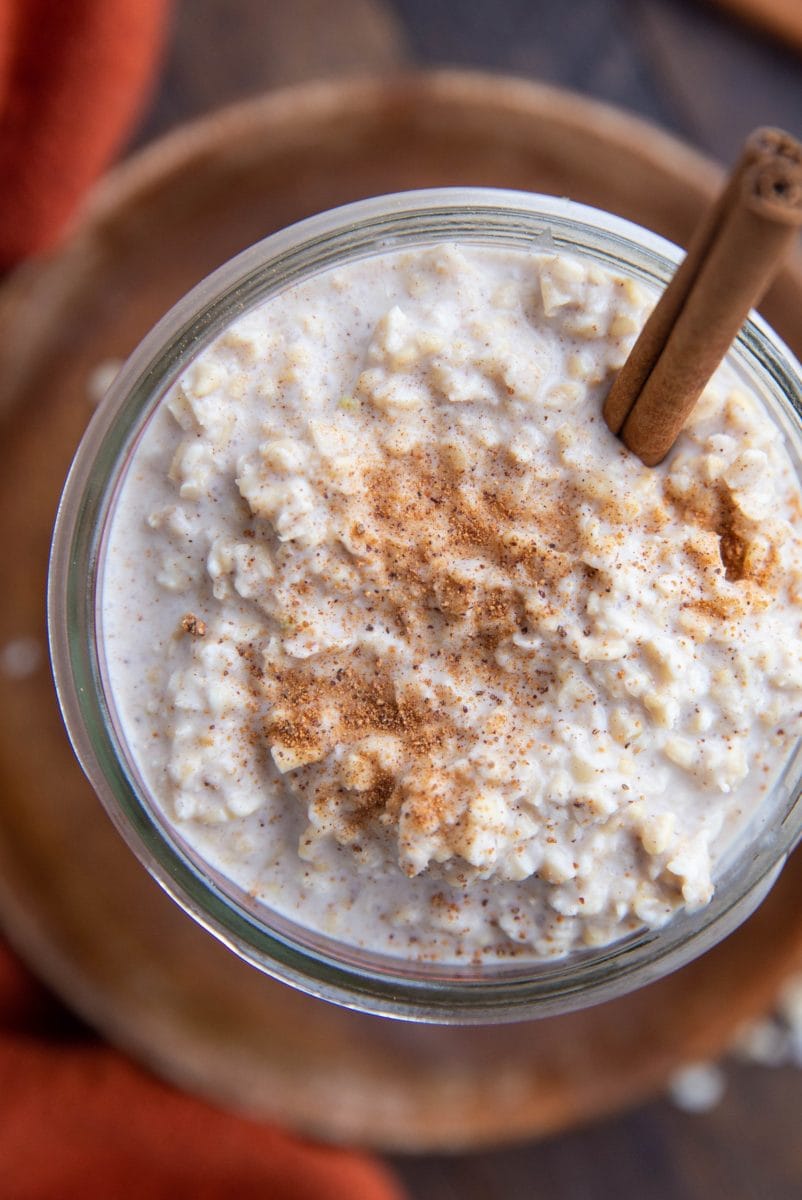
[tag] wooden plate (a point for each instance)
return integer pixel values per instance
(72, 898)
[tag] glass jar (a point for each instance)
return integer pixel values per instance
(272, 943)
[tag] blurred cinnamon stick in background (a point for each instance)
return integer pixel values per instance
(783, 18)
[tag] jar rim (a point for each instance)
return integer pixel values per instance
(320, 966)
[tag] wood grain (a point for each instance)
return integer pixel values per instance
(71, 896)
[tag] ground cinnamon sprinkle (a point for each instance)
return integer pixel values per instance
(193, 625)
(424, 513)
(315, 708)
(413, 528)
(419, 520)
(715, 511)
(732, 540)
(423, 519)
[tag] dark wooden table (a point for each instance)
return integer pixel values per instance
(710, 80)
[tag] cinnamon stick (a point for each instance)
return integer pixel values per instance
(651, 342)
(732, 258)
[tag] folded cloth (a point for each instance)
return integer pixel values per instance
(79, 1122)
(73, 74)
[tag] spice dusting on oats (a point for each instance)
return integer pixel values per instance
(193, 625)
(472, 682)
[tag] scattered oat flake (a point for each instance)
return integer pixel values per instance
(697, 1087)
(101, 378)
(20, 658)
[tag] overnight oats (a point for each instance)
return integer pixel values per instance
(409, 651)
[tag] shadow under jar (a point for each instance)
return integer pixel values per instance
(466, 985)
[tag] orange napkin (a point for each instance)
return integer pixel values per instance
(79, 1122)
(73, 74)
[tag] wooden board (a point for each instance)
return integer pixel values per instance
(72, 898)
